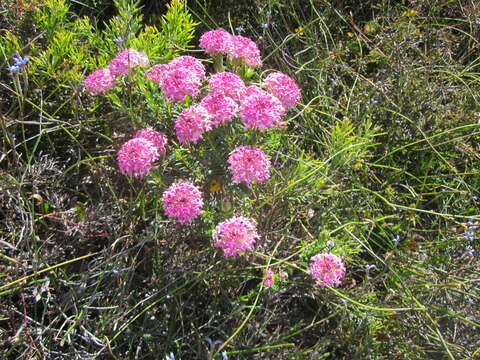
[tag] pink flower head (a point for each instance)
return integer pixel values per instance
(222, 108)
(327, 269)
(157, 72)
(216, 41)
(99, 81)
(189, 63)
(228, 84)
(268, 279)
(182, 201)
(252, 90)
(235, 235)
(191, 123)
(284, 88)
(136, 157)
(261, 110)
(157, 138)
(178, 83)
(246, 50)
(127, 59)
(249, 164)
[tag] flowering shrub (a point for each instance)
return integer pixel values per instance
(327, 269)
(235, 235)
(182, 201)
(249, 164)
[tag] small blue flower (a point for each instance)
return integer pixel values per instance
(396, 239)
(477, 22)
(369, 267)
(118, 40)
(264, 25)
(224, 355)
(14, 68)
(240, 28)
(20, 60)
(217, 342)
(208, 340)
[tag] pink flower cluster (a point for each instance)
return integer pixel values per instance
(327, 269)
(102, 80)
(268, 279)
(192, 123)
(235, 235)
(249, 164)
(221, 108)
(216, 41)
(136, 157)
(261, 110)
(239, 48)
(99, 81)
(284, 88)
(126, 60)
(179, 78)
(183, 201)
(228, 84)
(158, 139)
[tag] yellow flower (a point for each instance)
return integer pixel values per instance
(299, 30)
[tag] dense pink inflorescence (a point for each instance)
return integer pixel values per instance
(99, 81)
(222, 108)
(228, 84)
(327, 269)
(246, 50)
(268, 279)
(183, 201)
(158, 139)
(127, 59)
(189, 63)
(249, 164)
(235, 235)
(178, 83)
(157, 72)
(191, 123)
(216, 41)
(284, 88)
(136, 157)
(261, 110)
(252, 90)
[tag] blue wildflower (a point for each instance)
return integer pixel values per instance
(20, 61)
(14, 68)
